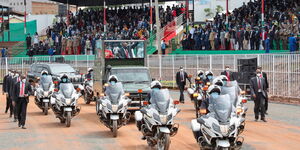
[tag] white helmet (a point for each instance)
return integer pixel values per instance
(112, 78)
(209, 73)
(214, 88)
(44, 72)
(90, 69)
(218, 81)
(199, 72)
(155, 84)
(223, 77)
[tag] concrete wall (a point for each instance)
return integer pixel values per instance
(43, 21)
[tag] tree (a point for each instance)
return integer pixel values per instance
(219, 8)
(208, 12)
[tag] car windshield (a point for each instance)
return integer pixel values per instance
(66, 89)
(161, 99)
(46, 82)
(114, 92)
(131, 75)
(58, 69)
(222, 108)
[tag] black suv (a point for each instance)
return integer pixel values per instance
(56, 71)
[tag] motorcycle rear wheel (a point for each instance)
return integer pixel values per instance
(115, 128)
(164, 142)
(68, 119)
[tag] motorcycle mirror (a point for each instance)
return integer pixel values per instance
(143, 111)
(145, 103)
(176, 102)
(201, 121)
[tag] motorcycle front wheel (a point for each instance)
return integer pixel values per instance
(115, 128)
(164, 142)
(46, 107)
(68, 119)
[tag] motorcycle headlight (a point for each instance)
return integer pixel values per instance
(231, 129)
(224, 129)
(45, 93)
(163, 119)
(216, 128)
(156, 117)
(68, 101)
(114, 108)
(120, 106)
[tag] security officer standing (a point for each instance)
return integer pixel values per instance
(258, 90)
(10, 92)
(22, 90)
(14, 80)
(264, 75)
(5, 89)
(228, 73)
(181, 77)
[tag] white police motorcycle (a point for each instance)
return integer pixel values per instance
(43, 93)
(219, 128)
(156, 121)
(64, 103)
(112, 108)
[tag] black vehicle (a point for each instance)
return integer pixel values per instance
(56, 71)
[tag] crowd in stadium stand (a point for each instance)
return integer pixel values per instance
(78, 34)
(244, 31)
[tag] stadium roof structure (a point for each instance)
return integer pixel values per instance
(100, 2)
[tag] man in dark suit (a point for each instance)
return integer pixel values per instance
(181, 77)
(228, 73)
(264, 75)
(14, 80)
(258, 89)
(21, 92)
(9, 91)
(5, 89)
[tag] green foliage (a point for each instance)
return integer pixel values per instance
(219, 8)
(208, 12)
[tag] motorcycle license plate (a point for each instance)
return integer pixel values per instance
(46, 100)
(68, 109)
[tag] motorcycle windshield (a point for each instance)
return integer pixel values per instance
(232, 91)
(67, 89)
(114, 92)
(46, 82)
(161, 99)
(222, 108)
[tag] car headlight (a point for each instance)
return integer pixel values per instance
(114, 108)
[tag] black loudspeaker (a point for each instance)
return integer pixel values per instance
(244, 77)
(247, 65)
